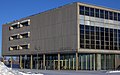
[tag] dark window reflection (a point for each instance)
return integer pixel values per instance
(93, 37)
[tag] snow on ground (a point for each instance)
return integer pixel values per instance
(117, 71)
(4, 70)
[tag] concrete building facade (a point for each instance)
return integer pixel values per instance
(76, 36)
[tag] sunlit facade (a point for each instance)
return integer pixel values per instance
(76, 36)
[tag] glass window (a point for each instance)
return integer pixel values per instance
(92, 28)
(82, 41)
(97, 33)
(87, 32)
(87, 11)
(87, 37)
(118, 16)
(97, 47)
(81, 36)
(92, 42)
(102, 29)
(92, 46)
(88, 46)
(106, 29)
(92, 32)
(97, 29)
(81, 27)
(101, 13)
(102, 34)
(96, 12)
(82, 22)
(115, 16)
(81, 32)
(87, 41)
(102, 38)
(97, 42)
(87, 22)
(86, 28)
(107, 47)
(102, 47)
(106, 14)
(97, 38)
(102, 42)
(106, 38)
(81, 46)
(111, 15)
(118, 31)
(92, 12)
(111, 30)
(115, 31)
(92, 37)
(106, 34)
(82, 10)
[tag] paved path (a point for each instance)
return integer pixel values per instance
(66, 72)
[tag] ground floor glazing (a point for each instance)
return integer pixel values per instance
(74, 61)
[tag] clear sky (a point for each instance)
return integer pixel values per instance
(15, 9)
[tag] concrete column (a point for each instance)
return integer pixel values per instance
(117, 60)
(21, 62)
(65, 63)
(58, 61)
(98, 61)
(94, 62)
(44, 67)
(31, 62)
(69, 63)
(76, 61)
(11, 61)
(73, 63)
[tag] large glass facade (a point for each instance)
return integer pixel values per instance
(99, 13)
(107, 62)
(94, 37)
(86, 62)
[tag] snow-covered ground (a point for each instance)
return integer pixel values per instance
(4, 70)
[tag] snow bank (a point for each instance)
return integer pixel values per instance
(4, 70)
(113, 71)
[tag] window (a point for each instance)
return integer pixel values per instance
(111, 15)
(101, 13)
(82, 46)
(86, 28)
(92, 28)
(96, 12)
(25, 23)
(92, 12)
(106, 14)
(87, 11)
(115, 16)
(81, 32)
(24, 35)
(118, 16)
(81, 27)
(97, 29)
(13, 37)
(13, 48)
(14, 26)
(82, 10)
(24, 46)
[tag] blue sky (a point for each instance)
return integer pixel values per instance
(15, 9)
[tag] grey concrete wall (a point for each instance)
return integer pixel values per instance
(51, 31)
